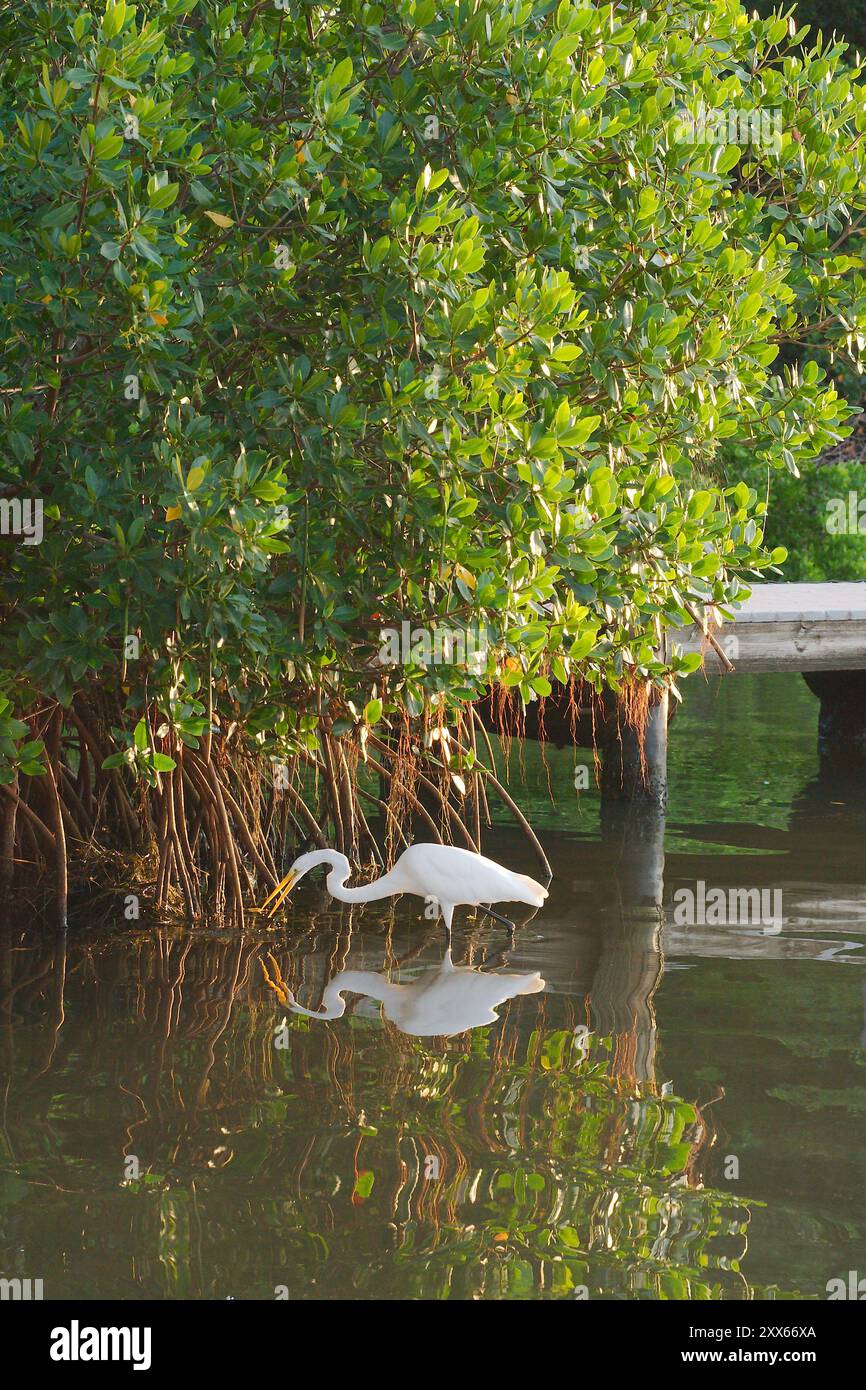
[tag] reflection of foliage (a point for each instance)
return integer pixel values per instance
(798, 1052)
(819, 1097)
(741, 744)
(306, 1166)
(557, 1178)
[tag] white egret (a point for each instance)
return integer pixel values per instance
(439, 1004)
(452, 877)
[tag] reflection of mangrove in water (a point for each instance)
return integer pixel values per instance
(526, 1157)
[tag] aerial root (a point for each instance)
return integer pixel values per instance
(201, 840)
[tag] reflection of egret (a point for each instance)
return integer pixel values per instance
(452, 877)
(442, 1002)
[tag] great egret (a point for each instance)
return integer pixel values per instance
(452, 877)
(441, 1003)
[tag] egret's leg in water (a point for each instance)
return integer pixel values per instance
(506, 922)
(497, 916)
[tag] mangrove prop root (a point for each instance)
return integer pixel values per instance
(211, 835)
(61, 876)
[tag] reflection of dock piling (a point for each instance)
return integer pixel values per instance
(637, 833)
(630, 965)
(841, 720)
(628, 974)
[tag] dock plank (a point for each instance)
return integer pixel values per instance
(790, 627)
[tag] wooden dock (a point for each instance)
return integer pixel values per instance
(790, 627)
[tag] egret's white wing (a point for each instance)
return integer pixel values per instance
(457, 999)
(458, 876)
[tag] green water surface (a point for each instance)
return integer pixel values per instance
(680, 1113)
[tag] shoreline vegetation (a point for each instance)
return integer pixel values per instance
(323, 324)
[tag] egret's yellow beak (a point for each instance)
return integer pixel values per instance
(280, 893)
(277, 984)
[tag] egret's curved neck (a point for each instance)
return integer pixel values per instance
(366, 893)
(353, 982)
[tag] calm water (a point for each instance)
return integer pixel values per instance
(680, 1113)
